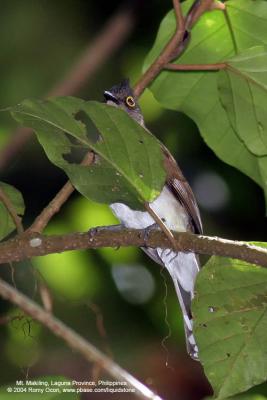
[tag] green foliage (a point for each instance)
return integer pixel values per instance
(129, 167)
(6, 222)
(196, 93)
(230, 311)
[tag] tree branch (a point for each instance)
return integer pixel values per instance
(177, 44)
(172, 48)
(31, 244)
(198, 8)
(180, 22)
(11, 210)
(113, 35)
(74, 340)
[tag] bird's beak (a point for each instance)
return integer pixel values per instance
(110, 97)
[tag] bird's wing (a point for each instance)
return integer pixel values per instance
(182, 191)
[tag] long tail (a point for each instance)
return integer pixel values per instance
(183, 268)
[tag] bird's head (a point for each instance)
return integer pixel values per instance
(122, 96)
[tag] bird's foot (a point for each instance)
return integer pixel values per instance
(148, 230)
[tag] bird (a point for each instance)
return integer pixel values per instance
(176, 206)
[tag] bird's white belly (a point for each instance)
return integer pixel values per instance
(166, 206)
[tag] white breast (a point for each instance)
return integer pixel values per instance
(165, 206)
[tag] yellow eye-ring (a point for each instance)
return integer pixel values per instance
(130, 101)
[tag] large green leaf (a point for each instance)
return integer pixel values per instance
(196, 93)
(243, 91)
(230, 314)
(129, 165)
(6, 222)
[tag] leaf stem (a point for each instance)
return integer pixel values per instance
(195, 67)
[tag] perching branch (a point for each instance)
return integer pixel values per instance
(74, 340)
(112, 36)
(33, 244)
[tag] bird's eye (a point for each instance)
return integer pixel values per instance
(130, 101)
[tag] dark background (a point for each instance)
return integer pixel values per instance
(40, 40)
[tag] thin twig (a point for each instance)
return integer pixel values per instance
(52, 208)
(195, 67)
(113, 35)
(11, 210)
(31, 244)
(61, 197)
(75, 341)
